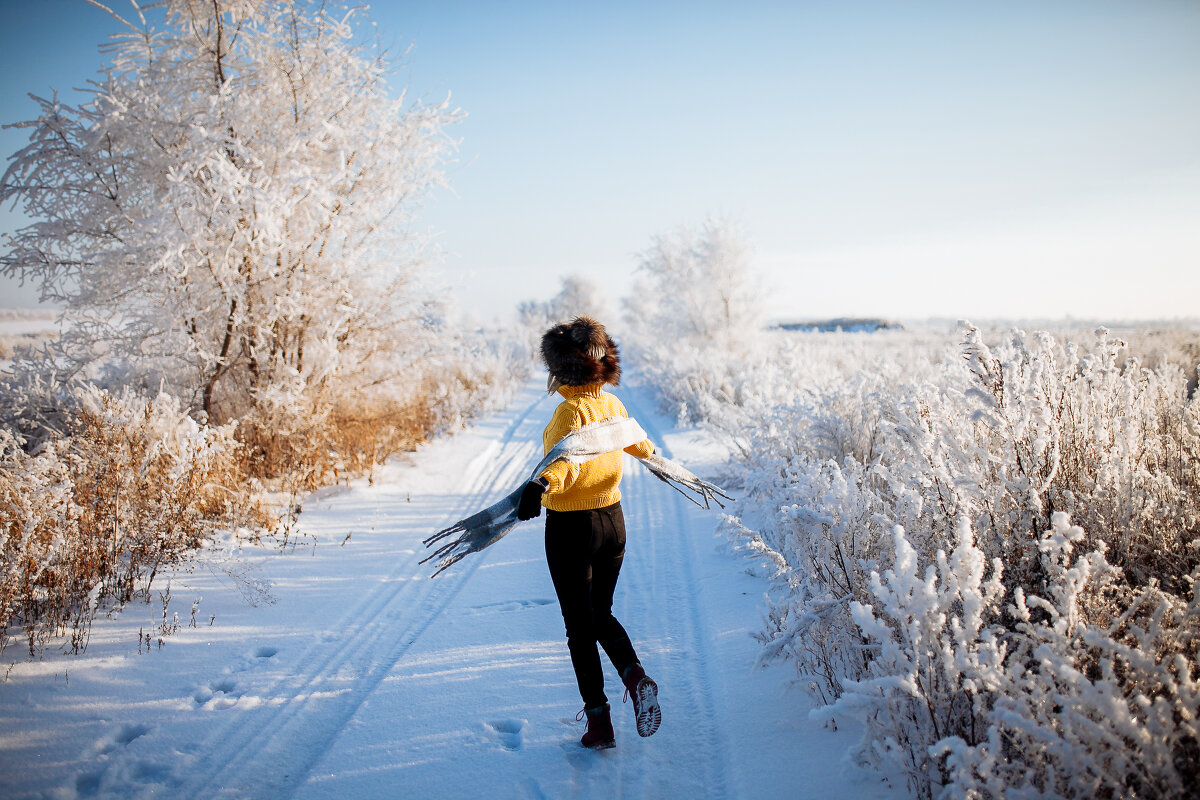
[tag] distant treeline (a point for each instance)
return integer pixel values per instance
(849, 324)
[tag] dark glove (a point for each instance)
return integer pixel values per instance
(531, 499)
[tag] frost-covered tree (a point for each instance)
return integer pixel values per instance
(577, 295)
(229, 210)
(698, 287)
(696, 311)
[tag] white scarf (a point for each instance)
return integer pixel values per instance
(486, 527)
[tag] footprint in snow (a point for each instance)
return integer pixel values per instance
(217, 695)
(90, 782)
(150, 772)
(121, 738)
(87, 784)
(508, 732)
(253, 659)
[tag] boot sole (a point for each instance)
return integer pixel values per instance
(649, 714)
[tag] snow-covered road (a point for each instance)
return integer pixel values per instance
(366, 679)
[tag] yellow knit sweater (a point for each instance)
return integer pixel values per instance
(594, 483)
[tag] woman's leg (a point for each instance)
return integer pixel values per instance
(568, 554)
(606, 568)
(609, 525)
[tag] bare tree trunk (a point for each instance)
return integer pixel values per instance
(222, 362)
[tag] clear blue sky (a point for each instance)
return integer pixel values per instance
(984, 159)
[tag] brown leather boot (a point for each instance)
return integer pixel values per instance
(600, 730)
(644, 692)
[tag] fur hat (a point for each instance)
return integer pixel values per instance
(580, 353)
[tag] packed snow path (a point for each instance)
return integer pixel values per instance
(366, 679)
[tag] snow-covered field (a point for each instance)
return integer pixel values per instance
(358, 676)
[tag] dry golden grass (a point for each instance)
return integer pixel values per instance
(334, 445)
(94, 516)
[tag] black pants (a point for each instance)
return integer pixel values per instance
(584, 550)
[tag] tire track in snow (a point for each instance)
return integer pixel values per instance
(667, 593)
(267, 751)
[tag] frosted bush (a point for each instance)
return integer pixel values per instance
(936, 658)
(92, 516)
(1085, 709)
(478, 371)
(821, 542)
(987, 558)
(36, 396)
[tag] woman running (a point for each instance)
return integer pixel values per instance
(585, 529)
